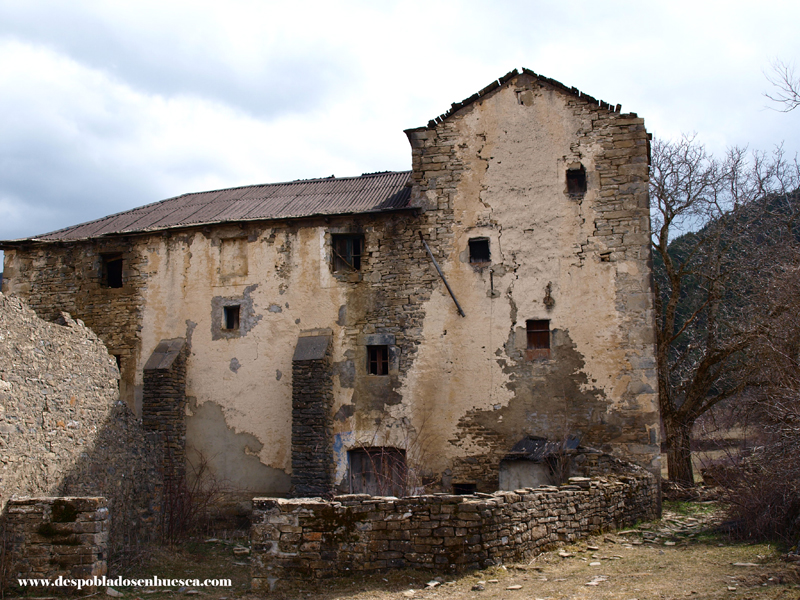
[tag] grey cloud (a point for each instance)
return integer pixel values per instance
(276, 84)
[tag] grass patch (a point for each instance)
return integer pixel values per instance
(691, 509)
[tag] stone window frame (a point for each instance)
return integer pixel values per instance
(386, 340)
(247, 314)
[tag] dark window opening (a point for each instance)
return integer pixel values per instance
(378, 360)
(118, 360)
(479, 250)
(378, 471)
(576, 181)
(347, 252)
(112, 270)
(464, 489)
(231, 317)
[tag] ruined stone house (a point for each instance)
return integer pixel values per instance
(297, 337)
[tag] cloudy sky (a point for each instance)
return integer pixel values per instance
(110, 105)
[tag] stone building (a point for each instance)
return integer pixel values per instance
(297, 337)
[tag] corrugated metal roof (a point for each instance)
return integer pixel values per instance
(376, 192)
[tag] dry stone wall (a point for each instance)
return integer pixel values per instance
(303, 538)
(63, 430)
(52, 537)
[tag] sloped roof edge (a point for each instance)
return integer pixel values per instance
(369, 193)
(496, 84)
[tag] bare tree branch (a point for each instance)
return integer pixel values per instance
(720, 233)
(787, 85)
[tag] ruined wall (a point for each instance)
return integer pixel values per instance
(51, 537)
(69, 277)
(63, 431)
(240, 383)
(459, 392)
(312, 538)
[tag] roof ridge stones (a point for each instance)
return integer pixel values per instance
(456, 106)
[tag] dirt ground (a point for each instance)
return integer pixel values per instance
(683, 555)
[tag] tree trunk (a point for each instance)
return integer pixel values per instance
(679, 451)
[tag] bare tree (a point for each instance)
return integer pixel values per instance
(762, 484)
(787, 85)
(712, 226)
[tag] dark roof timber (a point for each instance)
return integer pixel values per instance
(456, 106)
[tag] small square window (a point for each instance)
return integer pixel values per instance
(378, 360)
(538, 339)
(479, 250)
(538, 334)
(112, 270)
(576, 181)
(347, 252)
(231, 317)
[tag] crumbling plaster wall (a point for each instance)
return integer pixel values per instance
(239, 384)
(506, 159)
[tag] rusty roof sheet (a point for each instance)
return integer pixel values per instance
(369, 193)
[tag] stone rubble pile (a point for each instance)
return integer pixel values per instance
(63, 430)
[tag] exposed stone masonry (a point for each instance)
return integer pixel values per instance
(49, 537)
(164, 406)
(63, 430)
(312, 538)
(312, 431)
(68, 277)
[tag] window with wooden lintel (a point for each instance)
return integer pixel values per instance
(538, 331)
(230, 315)
(378, 360)
(112, 270)
(479, 250)
(347, 251)
(378, 471)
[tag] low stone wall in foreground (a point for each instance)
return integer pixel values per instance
(48, 537)
(294, 539)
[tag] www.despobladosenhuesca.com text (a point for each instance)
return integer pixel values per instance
(122, 582)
